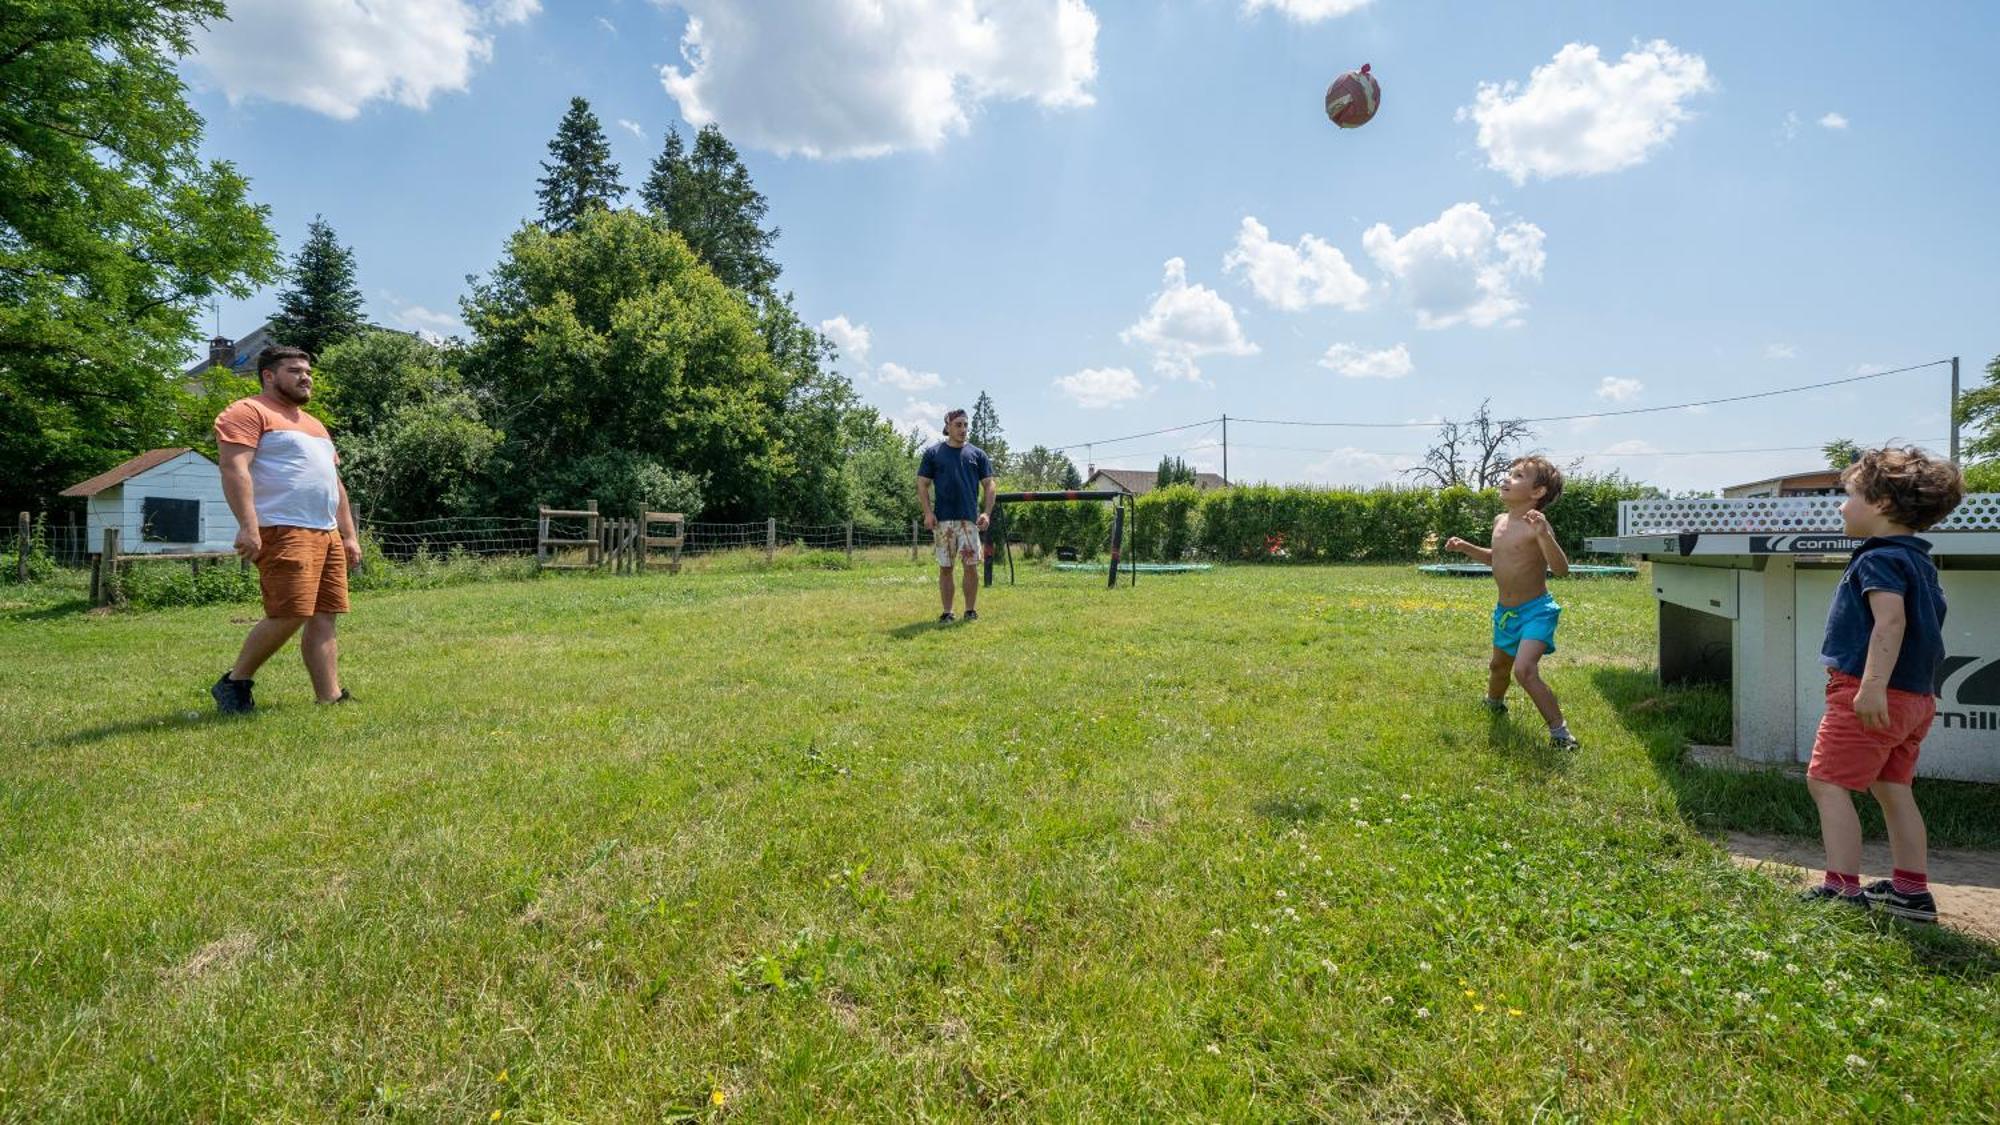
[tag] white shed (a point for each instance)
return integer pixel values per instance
(165, 500)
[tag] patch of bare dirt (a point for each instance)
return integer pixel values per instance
(1966, 883)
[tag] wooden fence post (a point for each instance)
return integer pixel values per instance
(913, 541)
(596, 550)
(850, 542)
(104, 577)
(21, 548)
(771, 540)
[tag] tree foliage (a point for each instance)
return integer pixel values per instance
(113, 235)
(1474, 453)
(984, 431)
(1979, 409)
(1042, 468)
(579, 176)
(613, 337)
(1840, 453)
(1173, 470)
(706, 196)
(413, 441)
(322, 305)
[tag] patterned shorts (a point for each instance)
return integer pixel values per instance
(956, 538)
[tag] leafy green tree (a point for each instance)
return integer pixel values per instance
(1043, 468)
(1979, 409)
(984, 432)
(413, 442)
(613, 337)
(579, 176)
(322, 306)
(1840, 453)
(114, 233)
(706, 196)
(1173, 471)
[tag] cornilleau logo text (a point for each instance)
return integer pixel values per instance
(1970, 685)
(1801, 544)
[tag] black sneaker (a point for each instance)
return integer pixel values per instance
(345, 696)
(1919, 907)
(972, 615)
(1824, 893)
(1493, 706)
(232, 697)
(945, 618)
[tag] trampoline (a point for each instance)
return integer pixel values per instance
(1481, 570)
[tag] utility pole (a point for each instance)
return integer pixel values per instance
(1954, 409)
(1225, 435)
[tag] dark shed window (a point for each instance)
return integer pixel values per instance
(168, 519)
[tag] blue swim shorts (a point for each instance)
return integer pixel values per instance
(1531, 620)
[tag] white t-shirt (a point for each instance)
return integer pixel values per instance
(293, 473)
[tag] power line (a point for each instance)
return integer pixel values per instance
(1614, 413)
(1574, 453)
(1131, 437)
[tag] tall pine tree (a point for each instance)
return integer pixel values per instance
(707, 198)
(985, 432)
(322, 307)
(579, 175)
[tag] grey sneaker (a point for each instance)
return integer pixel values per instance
(232, 697)
(1919, 907)
(1824, 893)
(1564, 741)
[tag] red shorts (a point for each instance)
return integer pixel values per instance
(1852, 756)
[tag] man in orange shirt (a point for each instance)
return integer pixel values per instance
(280, 476)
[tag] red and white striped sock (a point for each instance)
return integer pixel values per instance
(1909, 882)
(1843, 883)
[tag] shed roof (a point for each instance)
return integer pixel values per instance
(151, 459)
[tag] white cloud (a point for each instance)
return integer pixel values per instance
(1306, 11)
(1581, 116)
(861, 78)
(1781, 351)
(1460, 268)
(1095, 387)
(1348, 465)
(1289, 278)
(1619, 390)
(1185, 323)
(1833, 121)
(852, 339)
(1634, 447)
(336, 56)
(1870, 368)
(904, 379)
(926, 418)
(1353, 362)
(632, 127)
(428, 323)
(607, 25)
(1791, 126)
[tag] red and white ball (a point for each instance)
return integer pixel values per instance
(1353, 98)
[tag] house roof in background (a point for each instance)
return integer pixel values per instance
(151, 459)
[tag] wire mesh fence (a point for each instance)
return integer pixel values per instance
(61, 543)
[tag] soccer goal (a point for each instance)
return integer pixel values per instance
(996, 534)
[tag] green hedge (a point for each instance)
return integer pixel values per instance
(1300, 524)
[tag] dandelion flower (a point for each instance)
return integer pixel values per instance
(495, 1117)
(1479, 1007)
(501, 1077)
(1423, 1013)
(1470, 993)
(1516, 1012)
(717, 1097)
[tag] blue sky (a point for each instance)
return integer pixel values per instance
(1122, 217)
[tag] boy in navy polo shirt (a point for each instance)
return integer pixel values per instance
(1884, 641)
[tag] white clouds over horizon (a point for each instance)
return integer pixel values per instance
(1306, 11)
(903, 379)
(1580, 116)
(1833, 121)
(1614, 389)
(1096, 387)
(336, 56)
(1460, 268)
(1294, 278)
(1184, 323)
(1357, 363)
(857, 78)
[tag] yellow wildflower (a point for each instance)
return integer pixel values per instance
(1479, 1007)
(716, 1097)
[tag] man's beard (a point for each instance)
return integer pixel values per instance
(296, 397)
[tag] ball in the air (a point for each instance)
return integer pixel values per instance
(1353, 98)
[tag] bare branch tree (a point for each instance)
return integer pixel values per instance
(1493, 440)
(1444, 461)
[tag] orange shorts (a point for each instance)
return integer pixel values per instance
(302, 571)
(1852, 756)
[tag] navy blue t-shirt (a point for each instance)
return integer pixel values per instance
(955, 475)
(1900, 564)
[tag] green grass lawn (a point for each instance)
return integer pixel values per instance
(772, 846)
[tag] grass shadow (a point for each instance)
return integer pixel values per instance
(1289, 809)
(52, 611)
(919, 628)
(172, 720)
(1666, 719)
(1525, 746)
